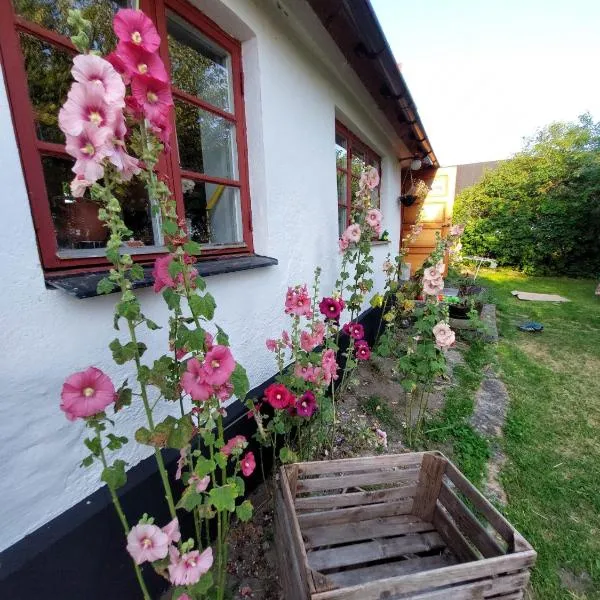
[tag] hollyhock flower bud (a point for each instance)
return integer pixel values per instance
(278, 396)
(135, 28)
(218, 365)
(147, 543)
(248, 464)
(86, 393)
(362, 350)
(78, 186)
(181, 462)
(444, 336)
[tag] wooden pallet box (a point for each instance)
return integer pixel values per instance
(393, 527)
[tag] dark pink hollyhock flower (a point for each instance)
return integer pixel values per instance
(331, 308)
(86, 393)
(119, 66)
(306, 405)
(224, 392)
(271, 345)
(194, 383)
(362, 350)
(153, 95)
(208, 342)
(161, 127)
(160, 273)
(138, 61)
(239, 441)
(218, 365)
(135, 28)
(356, 330)
(248, 464)
(133, 107)
(278, 396)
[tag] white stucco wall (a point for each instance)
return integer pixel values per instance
(293, 94)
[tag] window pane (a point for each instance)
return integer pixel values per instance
(52, 14)
(342, 219)
(79, 232)
(358, 162)
(341, 151)
(212, 212)
(49, 79)
(198, 66)
(341, 187)
(206, 142)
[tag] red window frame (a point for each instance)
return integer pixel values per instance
(31, 149)
(353, 142)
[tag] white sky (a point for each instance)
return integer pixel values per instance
(484, 74)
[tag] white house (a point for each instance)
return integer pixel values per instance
(276, 101)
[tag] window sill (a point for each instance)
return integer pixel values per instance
(380, 242)
(83, 285)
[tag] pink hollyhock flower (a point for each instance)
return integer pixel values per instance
(119, 66)
(187, 568)
(355, 330)
(352, 233)
(181, 462)
(147, 543)
(134, 27)
(370, 179)
(306, 341)
(388, 266)
(89, 68)
(184, 597)
(86, 393)
(382, 435)
(172, 531)
(285, 338)
(343, 244)
(374, 218)
(161, 127)
(248, 464)
(239, 441)
(331, 308)
(440, 267)
(153, 96)
(457, 229)
(86, 103)
(89, 149)
(209, 342)
(200, 485)
(78, 186)
(431, 273)
(362, 350)
(297, 302)
(160, 272)
(318, 330)
(330, 366)
(444, 336)
(133, 108)
(271, 345)
(306, 405)
(307, 372)
(433, 287)
(193, 381)
(138, 61)
(278, 396)
(218, 365)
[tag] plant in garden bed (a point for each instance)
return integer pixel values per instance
(111, 111)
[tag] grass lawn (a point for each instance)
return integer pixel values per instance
(552, 436)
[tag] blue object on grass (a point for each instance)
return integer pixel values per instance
(531, 326)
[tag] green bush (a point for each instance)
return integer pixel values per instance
(540, 210)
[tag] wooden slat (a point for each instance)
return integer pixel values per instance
(375, 550)
(394, 569)
(496, 520)
(292, 473)
(430, 480)
(510, 583)
(513, 596)
(452, 536)
(357, 479)
(470, 591)
(347, 465)
(357, 498)
(364, 530)
(466, 521)
(455, 574)
(353, 514)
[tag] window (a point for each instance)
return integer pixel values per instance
(351, 157)
(206, 166)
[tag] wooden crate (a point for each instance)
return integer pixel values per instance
(393, 527)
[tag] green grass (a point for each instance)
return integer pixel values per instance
(552, 435)
(381, 411)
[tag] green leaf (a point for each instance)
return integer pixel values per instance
(169, 227)
(152, 325)
(223, 497)
(192, 247)
(115, 476)
(221, 460)
(94, 445)
(87, 461)
(190, 499)
(115, 442)
(240, 484)
(123, 399)
(180, 431)
(203, 306)
(200, 283)
(129, 309)
(244, 511)
(222, 337)
(175, 268)
(204, 466)
(136, 272)
(239, 380)
(199, 589)
(105, 286)
(172, 299)
(286, 455)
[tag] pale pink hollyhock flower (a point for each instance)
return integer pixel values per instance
(238, 441)
(271, 345)
(147, 543)
(343, 244)
(172, 531)
(248, 464)
(193, 381)
(153, 96)
(457, 229)
(89, 68)
(307, 372)
(388, 267)
(382, 435)
(134, 27)
(89, 149)
(374, 217)
(78, 186)
(86, 103)
(218, 365)
(431, 273)
(352, 233)
(440, 267)
(127, 165)
(138, 61)
(186, 569)
(370, 178)
(181, 462)
(297, 301)
(433, 287)
(200, 485)
(329, 365)
(184, 597)
(377, 229)
(416, 230)
(86, 393)
(444, 336)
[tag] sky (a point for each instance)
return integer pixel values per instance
(485, 74)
